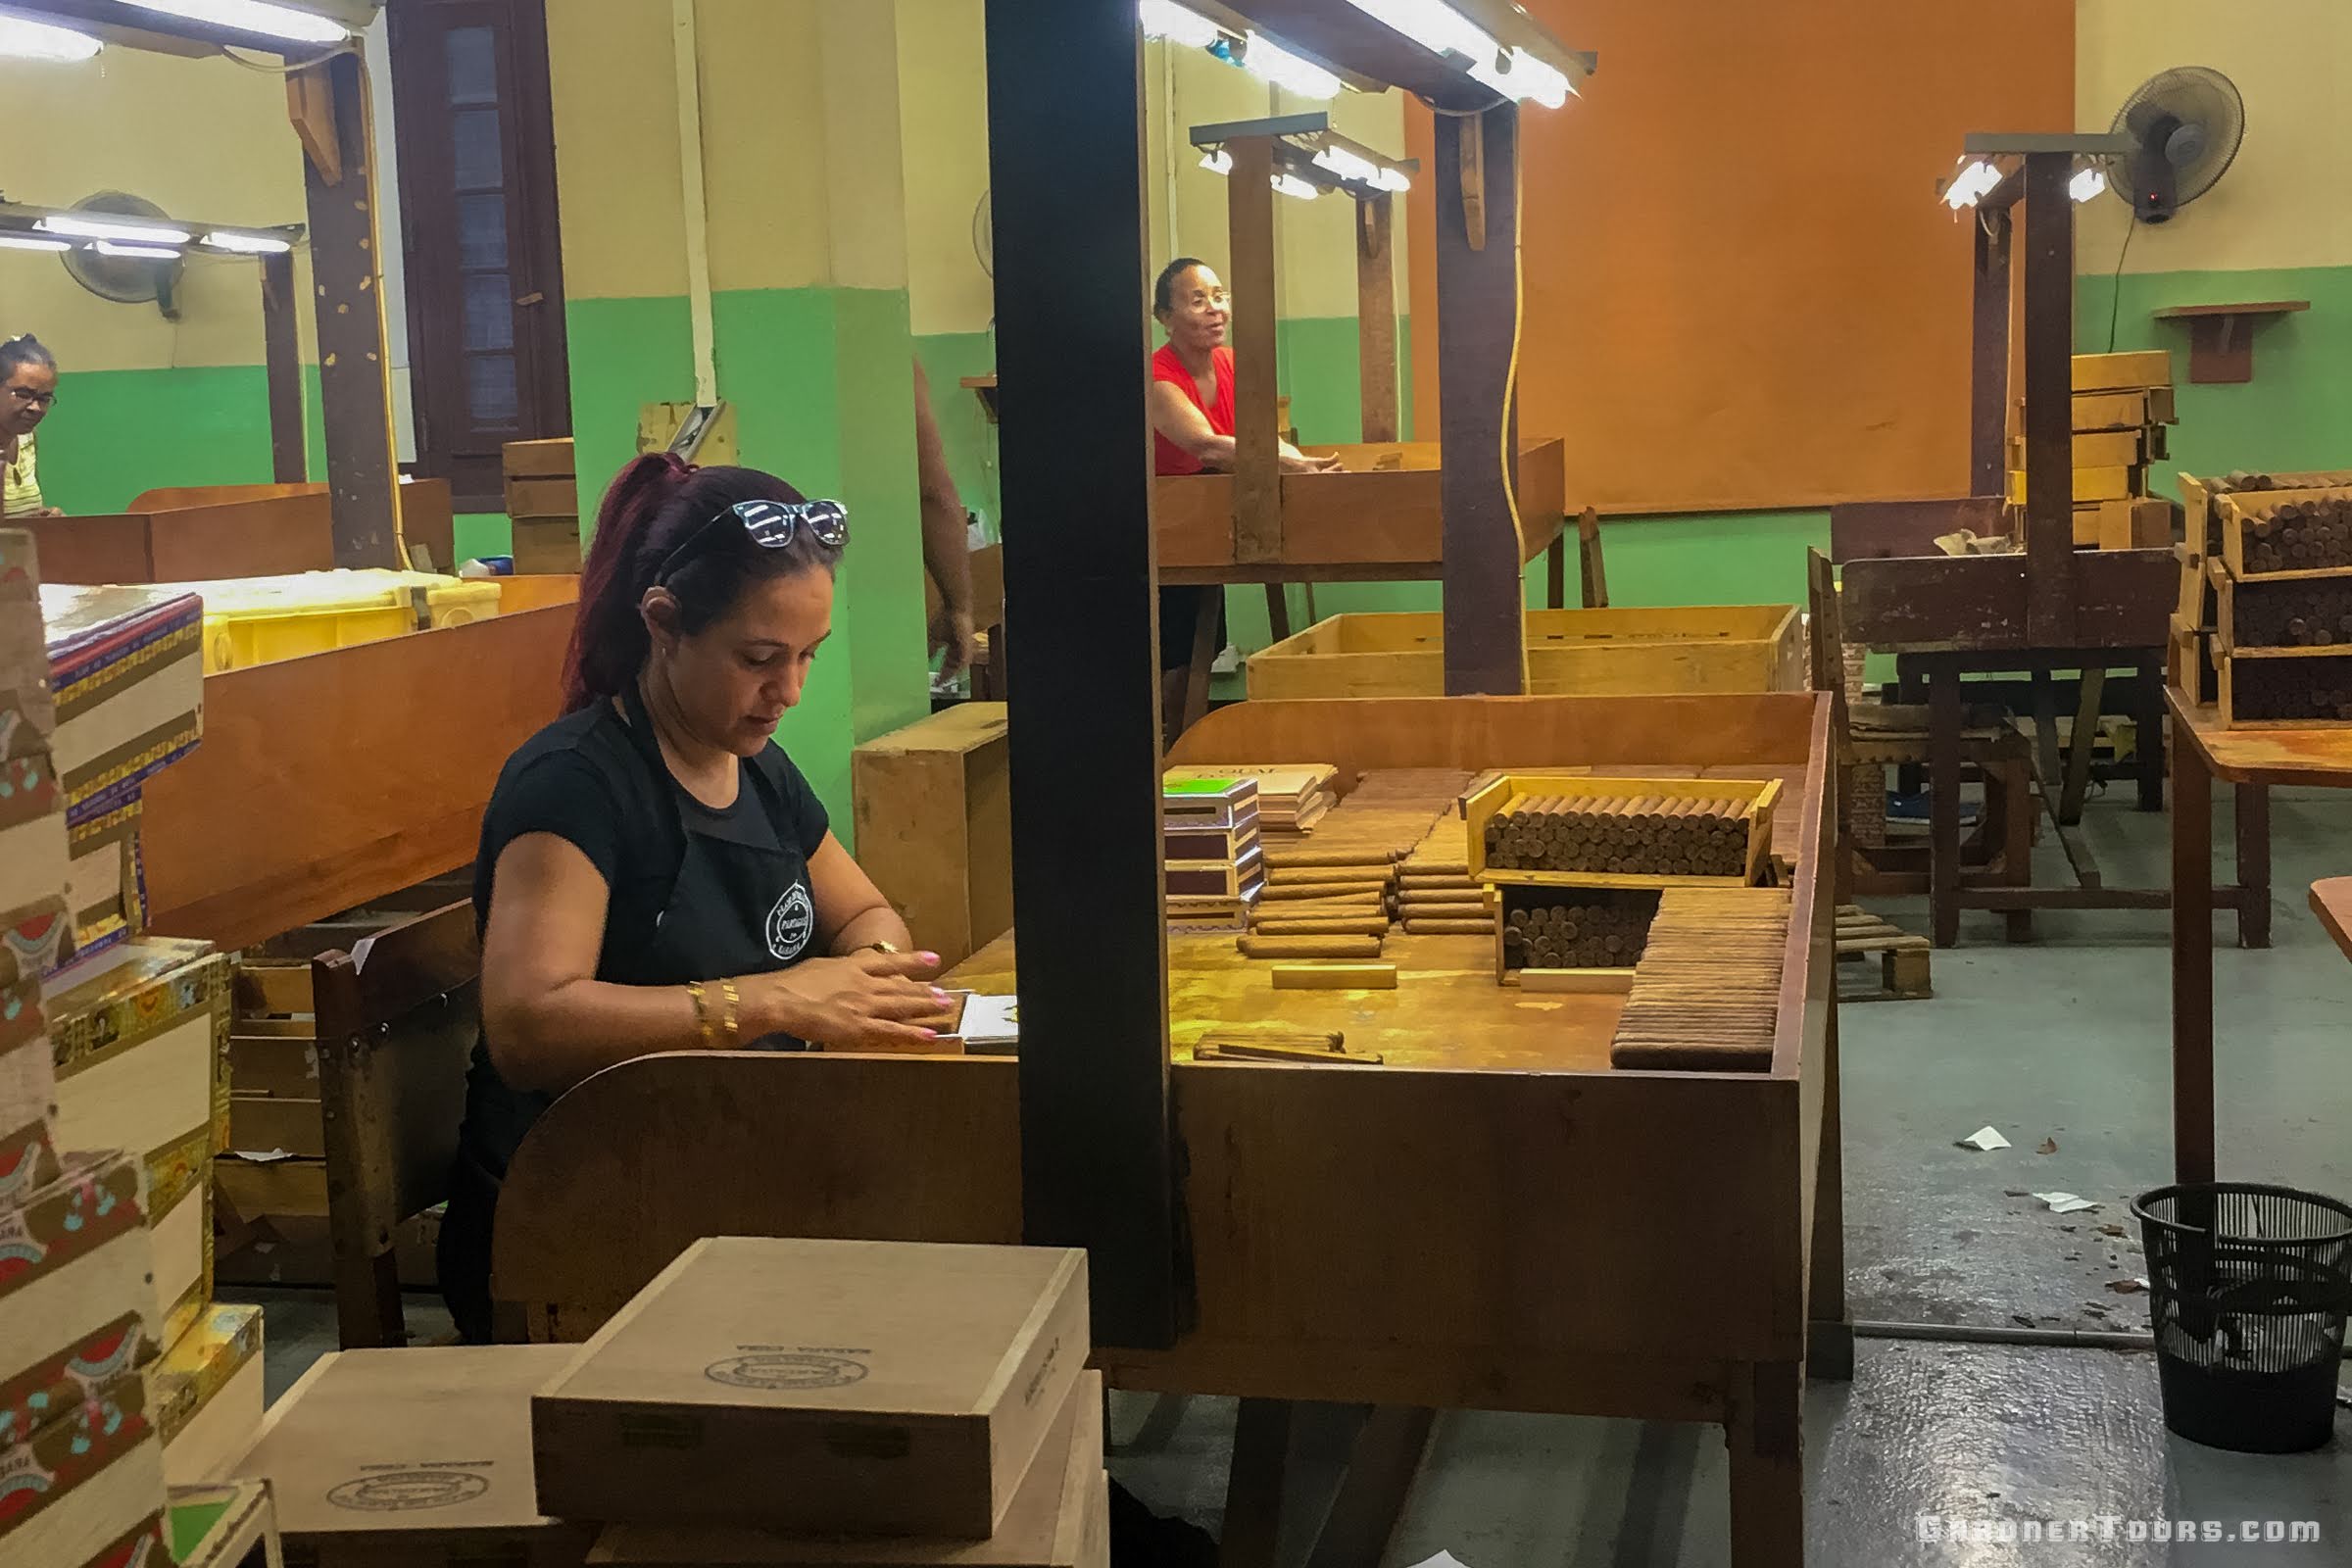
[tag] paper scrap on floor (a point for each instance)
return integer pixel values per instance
(1984, 1137)
(1443, 1559)
(2065, 1202)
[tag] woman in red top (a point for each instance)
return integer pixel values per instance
(1193, 416)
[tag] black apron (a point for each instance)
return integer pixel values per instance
(742, 904)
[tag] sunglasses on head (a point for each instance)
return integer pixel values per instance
(771, 525)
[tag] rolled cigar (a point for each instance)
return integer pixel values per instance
(1328, 926)
(1355, 947)
(1323, 890)
(1450, 928)
(1304, 876)
(1286, 858)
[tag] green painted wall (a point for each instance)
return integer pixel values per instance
(118, 433)
(2297, 411)
(624, 353)
(963, 428)
(1321, 373)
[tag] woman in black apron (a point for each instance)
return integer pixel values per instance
(654, 874)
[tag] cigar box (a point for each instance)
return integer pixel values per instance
(26, 713)
(229, 1524)
(32, 937)
(78, 1262)
(904, 1388)
(126, 671)
(33, 857)
(106, 885)
(1209, 802)
(141, 1059)
(67, 1445)
(1060, 1517)
(204, 1395)
(1233, 879)
(107, 1518)
(28, 1092)
(419, 1457)
(143, 1546)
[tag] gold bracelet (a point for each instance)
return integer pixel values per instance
(702, 1011)
(729, 999)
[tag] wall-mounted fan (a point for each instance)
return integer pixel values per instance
(2185, 125)
(984, 233)
(125, 279)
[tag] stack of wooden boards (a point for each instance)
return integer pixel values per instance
(777, 1402)
(2264, 625)
(543, 499)
(2121, 403)
(1705, 996)
(1210, 857)
(125, 1049)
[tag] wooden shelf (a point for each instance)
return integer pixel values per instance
(2332, 902)
(2221, 350)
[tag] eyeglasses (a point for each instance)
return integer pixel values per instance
(771, 525)
(31, 399)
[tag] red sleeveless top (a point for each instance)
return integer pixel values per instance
(1166, 456)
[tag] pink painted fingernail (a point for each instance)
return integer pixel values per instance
(928, 957)
(939, 996)
(930, 1034)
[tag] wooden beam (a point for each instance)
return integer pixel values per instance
(1065, 109)
(311, 108)
(281, 356)
(1376, 317)
(2049, 400)
(354, 374)
(1478, 329)
(1988, 355)
(1256, 448)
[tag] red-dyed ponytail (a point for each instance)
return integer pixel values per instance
(653, 505)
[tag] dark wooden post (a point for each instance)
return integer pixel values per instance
(1477, 322)
(1065, 112)
(1376, 317)
(1988, 356)
(1257, 443)
(2049, 400)
(327, 104)
(281, 359)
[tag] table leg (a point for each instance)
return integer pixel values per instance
(1830, 1341)
(2086, 741)
(1204, 655)
(1253, 1485)
(1381, 1467)
(2045, 745)
(1944, 804)
(1555, 572)
(2254, 866)
(2192, 967)
(1766, 1434)
(1278, 611)
(2153, 731)
(2014, 780)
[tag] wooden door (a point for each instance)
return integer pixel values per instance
(477, 192)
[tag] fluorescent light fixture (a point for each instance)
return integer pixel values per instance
(1217, 160)
(228, 239)
(1269, 61)
(1290, 184)
(80, 226)
(253, 16)
(1523, 75)
(150, 253)
(1342, 164)
(31, 242)
(21, 38)
(1165, 18)
(1969, 186)
(1434, 26)
(2086, 184)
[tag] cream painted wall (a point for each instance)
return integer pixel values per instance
(2288, 199)
(942, 127)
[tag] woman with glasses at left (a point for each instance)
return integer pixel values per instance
(27, 392)
(654, 874)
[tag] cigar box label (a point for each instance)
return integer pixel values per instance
(32, 938)
(760, 1368)
(129, 1005)
(71, 1378)
(27, 790)
(77, 1444)
(28, 1163)
(20, 1016)
(25, 719)
(90, 1205)
(221, 1343)
(412, 1488)
(142, 1548)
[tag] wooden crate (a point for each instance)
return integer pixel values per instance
(2089, 485)
(2333, 665)
(2233, 637)
(2234, 511)
(547, 545)
(2132, 371)
(2122, 410)
(2141, 522)
(934, 817)
(2103, 449)
(1646, 652)
(1499, 791)
(1611, 977)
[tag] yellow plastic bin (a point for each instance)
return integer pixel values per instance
(261, 621)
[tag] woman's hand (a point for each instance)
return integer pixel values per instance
(867, 999)
(1301, 462)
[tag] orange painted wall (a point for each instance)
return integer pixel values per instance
(1740, 289)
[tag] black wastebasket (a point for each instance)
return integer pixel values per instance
(2248, 1286)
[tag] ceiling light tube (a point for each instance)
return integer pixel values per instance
(2086, 184)
(1269, 61)
(1433, 24)
(254, 16)
(1290, 184)
(1165, 18)
(22, 38)
(152, 253)
(1217, 160)
(1342, 163)
(1521, 74)
(228, 239)
(80, 226)
(1969, 186)
(32, 242)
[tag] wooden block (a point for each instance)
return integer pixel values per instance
(547, 545)
(2122, 410)
(951, 1362)
(263, 1124)
(539, 460)
(934, 812)
(1335, 977)
(2096, 449)
(2089, 485)
(543, 498)
(1577, 981)
(1355, 947)
(2104, 373)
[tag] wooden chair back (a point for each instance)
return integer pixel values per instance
(397, 1020)
(1826, 643)
(1587, 555)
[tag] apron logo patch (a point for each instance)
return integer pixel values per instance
(791, 923)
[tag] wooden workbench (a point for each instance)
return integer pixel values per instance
(1491, 1221)
(2206, 751)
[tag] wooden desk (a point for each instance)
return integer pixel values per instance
(1495, 1219)
(2332, 902)
(200, 533)
(2252, 760)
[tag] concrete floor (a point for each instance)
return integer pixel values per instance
(2067, 1038)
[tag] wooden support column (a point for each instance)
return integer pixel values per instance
(281, 358)
(1065, 112)
(328, 104)
(1257, 443)
(1376, 316)
(2049, 401)
(1478, 326)
(1988, 356)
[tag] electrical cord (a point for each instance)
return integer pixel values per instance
(2115, 292)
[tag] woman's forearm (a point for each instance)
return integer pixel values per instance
(880, 924)
(554, 1038)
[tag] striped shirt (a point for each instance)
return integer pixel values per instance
(19, 486)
